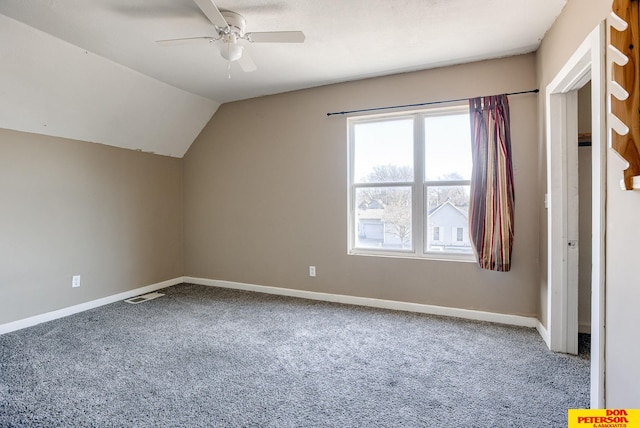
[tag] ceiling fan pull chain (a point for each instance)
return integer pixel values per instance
(229, 68)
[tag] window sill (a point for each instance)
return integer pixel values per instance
(440, 257)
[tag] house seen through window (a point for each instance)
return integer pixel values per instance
(409, 184)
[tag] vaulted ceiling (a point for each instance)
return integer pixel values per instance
(92, 70)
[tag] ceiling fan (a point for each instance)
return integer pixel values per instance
(230, 28)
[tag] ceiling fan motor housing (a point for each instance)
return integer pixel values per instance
(237, 23)
(230, 28)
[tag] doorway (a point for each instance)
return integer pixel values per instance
(561, 98)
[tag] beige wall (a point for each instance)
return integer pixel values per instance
(622, 233)
(113, 216)
(266, 194)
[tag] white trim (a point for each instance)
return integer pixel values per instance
(470, 314)
(588, 61)
(599, 148)
(562, 171)
(515, 320)
(543, 332)
(561, 120)
(65, 312)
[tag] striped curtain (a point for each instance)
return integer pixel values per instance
(492, 195)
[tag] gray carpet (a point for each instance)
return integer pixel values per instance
(208, 357)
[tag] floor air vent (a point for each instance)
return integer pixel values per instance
(143, 298)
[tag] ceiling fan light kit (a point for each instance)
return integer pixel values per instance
(230, 28)
(231, 51)
(234, 30)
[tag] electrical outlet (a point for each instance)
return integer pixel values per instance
(312, 271)
(75, 281)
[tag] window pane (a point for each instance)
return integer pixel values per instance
(383, 218)
(383, 151)
(447, 147)
(447, 227)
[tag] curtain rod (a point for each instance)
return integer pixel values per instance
(533, 91)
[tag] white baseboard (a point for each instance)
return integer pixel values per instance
(516, 320)
(582, 328)
(61, 313)
(544, 333)
(470, 314)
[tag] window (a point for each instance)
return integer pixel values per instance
(409, 184)
(436, 233)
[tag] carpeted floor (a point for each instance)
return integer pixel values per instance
(209, 357)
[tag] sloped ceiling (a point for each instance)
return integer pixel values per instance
(92, 70)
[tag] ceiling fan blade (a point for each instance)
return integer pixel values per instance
(212, 12)
(276, 37)
(185, 41)
(246, 63)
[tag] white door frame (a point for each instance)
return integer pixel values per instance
(587, 63)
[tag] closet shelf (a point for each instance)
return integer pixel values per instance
(584, 137)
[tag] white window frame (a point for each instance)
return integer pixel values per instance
(419, 187)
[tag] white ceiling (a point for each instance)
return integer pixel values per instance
(345, 40)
